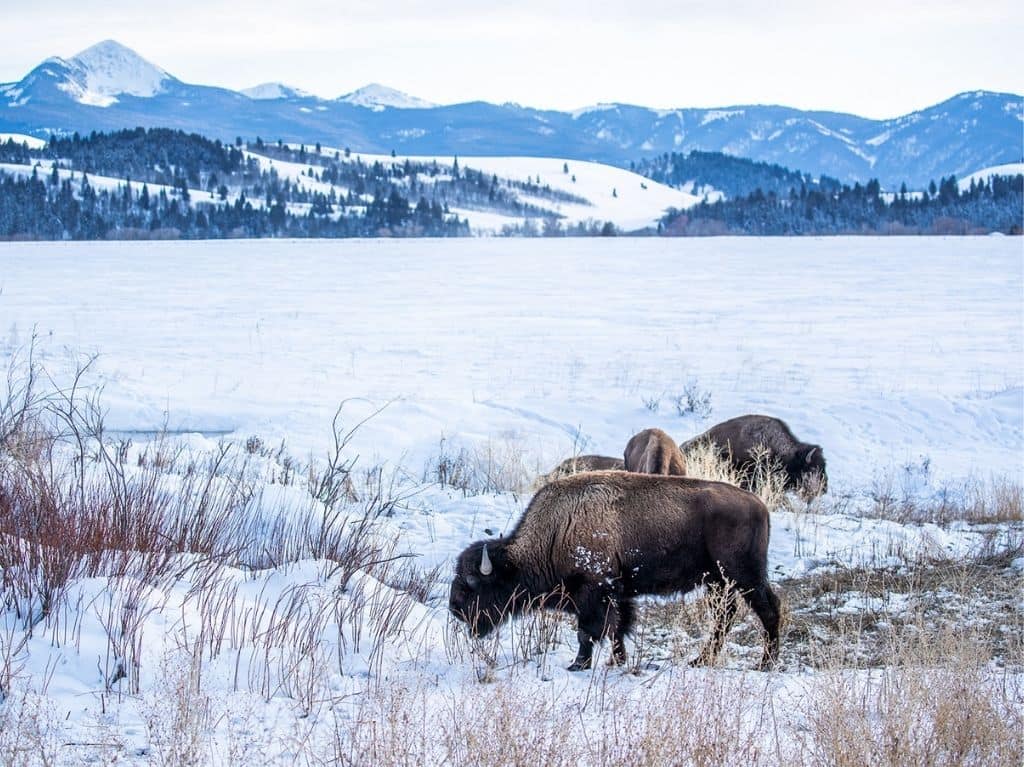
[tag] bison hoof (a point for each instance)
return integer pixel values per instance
(579, 665)
(700, 661)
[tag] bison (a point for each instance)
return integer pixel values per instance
(652, 451)
(590, 543)
(743, 440)
(577, 464)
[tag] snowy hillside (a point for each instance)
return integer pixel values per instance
(33, 142)
(1009, 169)
(627, 199)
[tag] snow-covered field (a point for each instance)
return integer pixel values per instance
(902, 357)
(885, 351)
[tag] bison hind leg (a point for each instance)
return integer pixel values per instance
(765, 603)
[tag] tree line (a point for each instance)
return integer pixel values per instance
(992, 205)
(238, 195)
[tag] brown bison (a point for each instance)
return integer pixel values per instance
(589, 544)
(744, 439)
(578, 464)
(652, 451)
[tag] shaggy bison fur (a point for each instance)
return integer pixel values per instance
(590, 543)
(652, 451)
(577, 464)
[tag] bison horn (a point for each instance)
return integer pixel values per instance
(810, 454)
(485, 563)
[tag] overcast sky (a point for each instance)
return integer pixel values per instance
(878, 59)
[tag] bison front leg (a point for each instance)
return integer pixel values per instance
(599, 614)
(585, 655)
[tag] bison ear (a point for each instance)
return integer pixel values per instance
(485, 563)
(810, 454)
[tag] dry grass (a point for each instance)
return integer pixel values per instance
(767, 481)
(939, 705)
(28, 731)
(866, 617)
(691, 720)
(976, 501)
(497, 465)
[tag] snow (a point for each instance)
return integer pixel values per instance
(20, 138)
(880, 139)
(379, 97)
(108, 69)
(902, 356)
(1009, 169)
(883, 350)
(625, 198)
(269, 91)
(604, 107)
(713, 115)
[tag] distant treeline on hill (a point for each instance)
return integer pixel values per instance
(993, 205)
(733, 176)
(767, 199)
(161, 183)
(238, 195)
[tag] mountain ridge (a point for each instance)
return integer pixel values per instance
(109, 86)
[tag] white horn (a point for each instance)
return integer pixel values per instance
(485, 563)
(810, 454)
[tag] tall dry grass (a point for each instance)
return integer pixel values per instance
(767, 479)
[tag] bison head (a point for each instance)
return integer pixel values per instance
(808, 472)
(485, 590)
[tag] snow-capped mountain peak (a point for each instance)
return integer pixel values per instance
(108, 69)
(378, 97)
(269, 91)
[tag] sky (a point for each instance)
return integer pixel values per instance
(874, 58)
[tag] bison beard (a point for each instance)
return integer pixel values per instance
(591, 543)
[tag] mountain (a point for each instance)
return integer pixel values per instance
(270, 91)
(109, 86)
(378, 97)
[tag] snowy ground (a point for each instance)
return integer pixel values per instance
(886, 351)
(902, 357)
